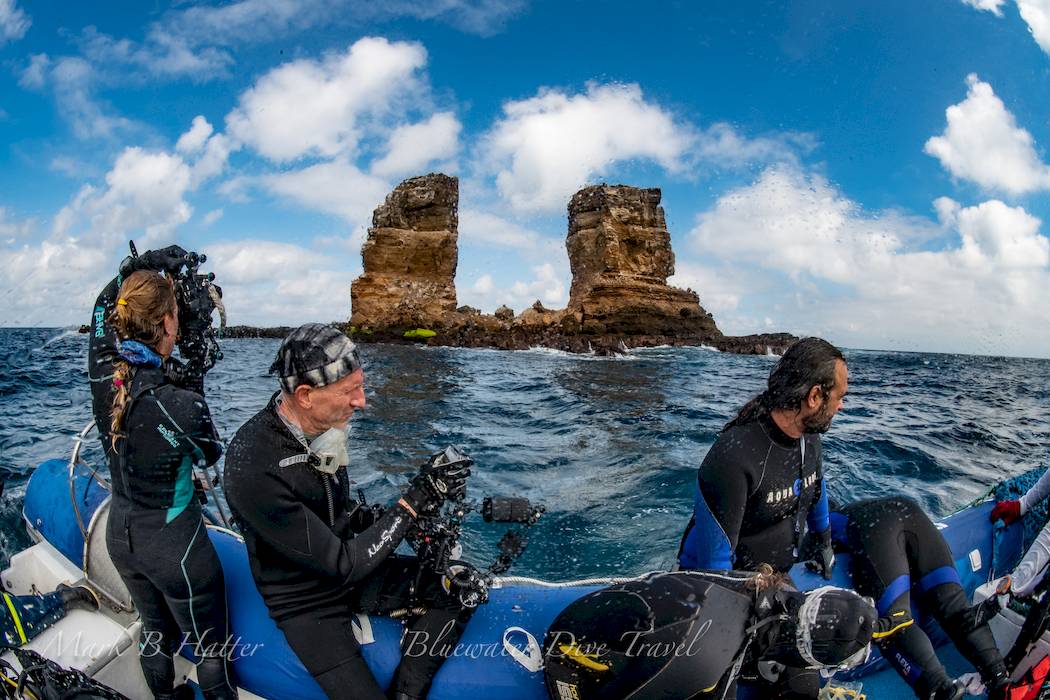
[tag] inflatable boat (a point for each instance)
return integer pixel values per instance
(67, 505)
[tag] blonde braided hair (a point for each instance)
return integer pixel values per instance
(143, 301)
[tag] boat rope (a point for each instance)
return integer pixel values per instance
(500, 581)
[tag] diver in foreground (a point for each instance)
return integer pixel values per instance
(695, 634)
(155, 428)
(319, 557)
(761, 496)
(761, 485)
(897, 551)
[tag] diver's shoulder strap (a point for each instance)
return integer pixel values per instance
(294, 459)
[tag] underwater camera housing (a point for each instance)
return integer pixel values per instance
(197, 297)
(436, 539)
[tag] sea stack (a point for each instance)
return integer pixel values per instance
(410, 257)
(620, 256)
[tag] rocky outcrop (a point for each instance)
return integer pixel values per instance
(620, 257)
(410, 257)
(619, 253)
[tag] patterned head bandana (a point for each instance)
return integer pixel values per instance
(314, 354)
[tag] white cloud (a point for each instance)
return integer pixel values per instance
(414, 146)
(719, 293)
(34, 76)
(994, 232)
(336, 188)
(547, 147)
(320, 108)
(145, 193)
(250, 261)
(478, 227)
(198, 41)
(260, 289)
(73, 81)
(212, 161)
(870, 280)
(1036, 13)
(14, 23)
(549, 285)
(12, 229)
(195, 138)
(993, 6)
(52, 283)
(211, 217)
(805, 225)
(984, 144)
(483, 285)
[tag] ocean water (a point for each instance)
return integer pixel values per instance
(609, 445)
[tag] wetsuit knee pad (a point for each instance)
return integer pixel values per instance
(215, 678)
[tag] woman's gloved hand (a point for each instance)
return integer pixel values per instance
(169, 260)
(1007, 511)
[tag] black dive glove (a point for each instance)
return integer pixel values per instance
(170, 260)
(443, 477)
(818, 553)
(176, 373)
(424, 495)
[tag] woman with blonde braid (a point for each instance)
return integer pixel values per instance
(155, 433)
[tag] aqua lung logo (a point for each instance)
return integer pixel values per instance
(169, 435)
(100, 321)
(781, 495)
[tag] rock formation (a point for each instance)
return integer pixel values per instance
(620, 256)
(410, 257)
(619, 253)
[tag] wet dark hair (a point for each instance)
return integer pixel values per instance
(808, 363)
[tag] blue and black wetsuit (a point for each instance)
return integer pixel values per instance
(756, 490)
(155, 533)
(896, 552)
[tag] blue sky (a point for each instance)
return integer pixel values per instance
(873, 172)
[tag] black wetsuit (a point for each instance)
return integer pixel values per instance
(756, 489)
(897, 551)
(155, 533)
(318, 558)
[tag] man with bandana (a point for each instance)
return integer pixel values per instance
(318, 556)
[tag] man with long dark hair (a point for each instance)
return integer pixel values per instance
(761, 485)
(761, 497)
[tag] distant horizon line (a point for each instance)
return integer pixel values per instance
(843, 347)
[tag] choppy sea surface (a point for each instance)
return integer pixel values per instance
(609, 445)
